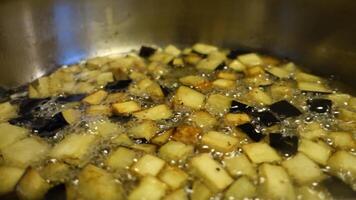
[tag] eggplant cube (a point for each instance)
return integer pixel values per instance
(219, 141)
(284, 109)
(204, 48)
(200, 191)
(266, 118)
(261, 152)
(95, 98)
(121, 158)
(146, 52)
(104, 128)
(287, 145)
(237, 107)
(203, 119)
(9, 176)
(145, 129)
(7, 111)
(259, 96)
(251, 131)
(71, 115)
(98, 110)
(276, 183)
(342, 140)
(343, 165)
(150, 188)
(56, 172)
(240, 165)
(32, 185)
(74, 148)
(173, 150)
(299, 164)
(192, 80)
(242, 188)
(317, 151)
(279, 72)
(173, 177)
(218, 104)
(180, 194)
(158, 112)
(211, 172)
(10, 134)
(250, 59)
(313, 87)
(236, 119)
(126, 107)
(25, 152)
(189, 97)
(96, 183)
(148, 165)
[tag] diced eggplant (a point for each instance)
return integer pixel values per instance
(200, 191)
(283, 109)
(71, 115)
(254, 72)
(237, 107)
(211, 62)
(187, 134)
(25, 152)
(203, 119)
(219, 141)
(317, 151)
(311, 193)
(126, 107)
(237, 66)
(240, 165)
(242, 188)
(250, 59)
(251, 131)
(56, 172)
(162, 137)
(236, 119)
(204, 48)
(211, 172)
(120, 159)
(279, 72)
(302, 169)
(256, 95)
(32, 185)
(189, 97)
(149, 187)
(96, 97)
(118, 85)
(9, 176)
(224, 83)
(312, 131)
(74, 148)
(236, 52)
(218, 104)
(71, 98)
(260, 152)
(221, 66)
(145, 129)
(148, 165)
(287, 145)
(313, 87)
(276, 183)
(166, 91)
(10, 134)
(319, 105)
(173, 50)
(227, 75)
(95, 183)
(57, 192)
(104, 128)
(173, 177)
(173, 150)
(192, 80)
(266, 118)
(7, 111)
(343, 165)
(146, 51)
(145, 148)
(158, 112)
(342, 140)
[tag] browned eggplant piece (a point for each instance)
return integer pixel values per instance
(234, 53)
(319, 105)
(238, 107)
(71, 98)
(118, 85)
(57, 192)
(284, 144)
(283, 109)
(266, 118)
(252, 132)
(121, 118)
(146, 51)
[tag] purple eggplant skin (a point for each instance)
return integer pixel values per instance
(118, 85)
(57, 192)
(319, 105)
(286, 145)
(266, 118)
(283, 109)
(146, 51)
(251, 131)
(238, 107)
